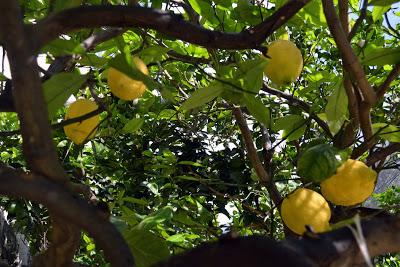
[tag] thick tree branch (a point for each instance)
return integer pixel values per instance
(383, 153)
(254, 159)
(335, 248)
(350, 60)
(344, 15)
(381, 90)
(72, 209)
(162, 21)
(300, 103)
(38, 147)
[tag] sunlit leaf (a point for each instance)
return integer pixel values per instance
(59, 88)
(387, 131)
(258, 109)
(147, 248)
(202, 96)
(336, 109)
(382, 56)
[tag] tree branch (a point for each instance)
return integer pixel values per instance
(254, 159)
(71, 208)
(38, 148)
(381, 90)
(382, 153)
(164, 22)
(351, 61)
(344, 15)
(335, 248)
(363, 14)
(303, 105)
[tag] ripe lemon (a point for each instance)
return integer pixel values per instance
(305, 207)
(285, 62)
(352, 184)
(123, 86)
(78, 132)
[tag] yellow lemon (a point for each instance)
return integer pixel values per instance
(123, 86)
(352, 184)
(78, 132)
(305, 207)
(285, 62)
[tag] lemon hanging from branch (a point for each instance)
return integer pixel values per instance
(81, 131)
(352, 184)
(123, 86)
(285, 62)
(305, 207)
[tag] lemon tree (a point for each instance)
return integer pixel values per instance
(79, 132)
(352, 184)
(123, 86)
(305, 207)
(285, 62)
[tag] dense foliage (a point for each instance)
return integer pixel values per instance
(173, 166)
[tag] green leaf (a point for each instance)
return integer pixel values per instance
(314, 13)
(382, 2)
(191, 163)
(204, 9)
(382, 56)
(202, 96)
(60, 47)
(336, 109)
(93, 60)
(252, 73)
(378, 11)
(133, 125)
(147, 248)
(156, 218)
(153, 54)
(293, 127)
(180, 238)
(387, 131)
(258, 109)
(2, 77)
(124, 64)
(59, 88)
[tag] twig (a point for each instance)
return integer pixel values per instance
(381, 90)
(300, 103)
(395, 32)
(357, 24)
(382, 154)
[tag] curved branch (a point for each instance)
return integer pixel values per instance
(254, 159)
(381, 90)
(63, 204)
(351, 62)
(38, 148)
(172, 25)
